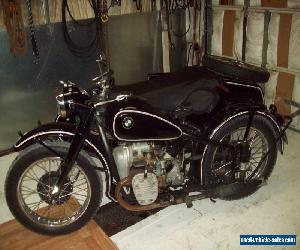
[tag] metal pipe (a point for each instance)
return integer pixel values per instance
(271, 68)
(257, 9)
(7, 151)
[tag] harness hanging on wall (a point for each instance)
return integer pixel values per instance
(245, 20)
(93, 44)
(15, 27)
(104, 28)
(35, 49)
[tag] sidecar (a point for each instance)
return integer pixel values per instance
(218, 89)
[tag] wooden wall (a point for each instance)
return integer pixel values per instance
(283, 43)
(80, 9)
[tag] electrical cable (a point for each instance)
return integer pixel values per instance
(138, 4)
(189, 26)
(95, 43)
(170, 8)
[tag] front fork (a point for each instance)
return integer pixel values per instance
(77, 143)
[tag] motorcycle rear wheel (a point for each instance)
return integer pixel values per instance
(261, 138)
(30, 190)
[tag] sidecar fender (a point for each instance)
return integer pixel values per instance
(45, 131)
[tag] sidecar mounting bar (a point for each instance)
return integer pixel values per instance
(7, 151)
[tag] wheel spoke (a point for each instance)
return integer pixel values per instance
(36, 207)
(36, 201)
(31, 177)
(79, 185)
(241, 134)
(257, 144)
(82, 195)
(42, 168)
(81, 189)
(25, 196)
(253, 145)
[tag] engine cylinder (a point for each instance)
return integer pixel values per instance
(125, 155)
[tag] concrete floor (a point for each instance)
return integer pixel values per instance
(274, 209)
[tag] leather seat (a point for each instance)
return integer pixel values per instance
(192, 87)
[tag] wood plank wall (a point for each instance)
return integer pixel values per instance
(80, 9)
(284, 87)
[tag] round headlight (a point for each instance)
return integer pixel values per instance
(61, 105)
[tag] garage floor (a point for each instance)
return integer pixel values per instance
(274, 209)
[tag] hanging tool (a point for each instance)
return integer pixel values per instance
(15, 27)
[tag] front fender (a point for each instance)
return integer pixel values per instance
(60, 129)
(44, 130)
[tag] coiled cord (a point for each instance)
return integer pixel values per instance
(96, 43)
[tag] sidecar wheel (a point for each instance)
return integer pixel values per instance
(216, 168)
(30, 195)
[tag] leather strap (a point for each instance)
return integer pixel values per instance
(15, 27)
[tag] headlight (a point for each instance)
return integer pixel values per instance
(61, 105)
(71, 95)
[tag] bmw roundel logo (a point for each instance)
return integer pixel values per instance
(127, 122)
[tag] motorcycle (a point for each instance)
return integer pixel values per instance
(201, 129)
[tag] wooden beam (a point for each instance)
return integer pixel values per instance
(228, 32)
(284, 90)
(284, 40)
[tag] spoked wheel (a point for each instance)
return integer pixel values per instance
(36, 201)
(218, 162)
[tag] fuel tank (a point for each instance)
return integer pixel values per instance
(134, 119)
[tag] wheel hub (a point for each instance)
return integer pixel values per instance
(50, 193)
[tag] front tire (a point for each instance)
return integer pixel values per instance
(29, 191)
(216, 161)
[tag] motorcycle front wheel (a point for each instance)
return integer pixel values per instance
(218, 166)
(33, 200)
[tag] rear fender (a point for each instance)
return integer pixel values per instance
(275, 127)
(223, 116)
(45, 131)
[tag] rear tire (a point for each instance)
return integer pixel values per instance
(30, 199)
(211, 164)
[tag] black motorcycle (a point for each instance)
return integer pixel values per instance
(200, 129)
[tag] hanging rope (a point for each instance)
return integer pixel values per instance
(94, 44)
(104, 13)
(15, 27)
(171, 6)
(35, 49)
